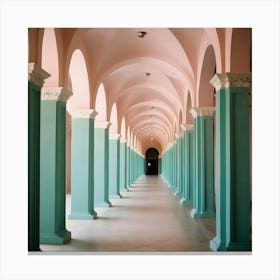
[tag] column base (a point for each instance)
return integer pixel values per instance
(38, 249)
(82, 216)
(217, 245)
(61, 238)
(185, 201)
(116, 196)
(178, 193)
(102, 204)
(207, 214)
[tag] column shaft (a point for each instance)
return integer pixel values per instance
(123, 167)
(82, 173)
(188, 168)
(114, 168)
(35, 82)
(52, 170)
(101, 166)
(233, 220)
(203, 205)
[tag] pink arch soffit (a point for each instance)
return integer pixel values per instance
(211, 39)
(205, 96)
(114, 120)
(75, 41)
(159, 136)
(49, 57)
(189, 117)
(128, 135)
(151, 144)
(79, 81)
(152, 119)
(170, 69)
(228, 38)
(132, 75)
(127, 105)
(101, 104)
(152, 91)
(157, 114)
(123, 129)
(145, 127)
(240, 51)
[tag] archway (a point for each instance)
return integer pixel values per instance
(151, 165)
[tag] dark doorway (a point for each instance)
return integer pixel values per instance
(152, 161)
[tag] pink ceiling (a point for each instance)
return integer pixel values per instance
(118, 59)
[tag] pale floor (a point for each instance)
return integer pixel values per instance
(149, 218)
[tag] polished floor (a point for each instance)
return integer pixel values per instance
(149, 218)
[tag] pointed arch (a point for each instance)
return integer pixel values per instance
(114, 120)
(206, 90)
(101, 104)
(49, 58)
(79, 82)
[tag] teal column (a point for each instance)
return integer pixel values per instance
(233, 221)
(179, 166)
(82, 165)
(159, 165)
(36, 77)
(52, 170)
(123, 166)
(127, 166)
(203, 205)
(101, 165)
(188, 165)
(114, 166)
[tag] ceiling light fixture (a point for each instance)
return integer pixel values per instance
(141, 34)
(147, 74)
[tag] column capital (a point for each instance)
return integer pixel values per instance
(202, 111)
(178, 135)
(83, 114)
(37, 75)
(123, 140)
(115, 136)
(102, 124)
(55, 93)
(226, 80)
(186, 126)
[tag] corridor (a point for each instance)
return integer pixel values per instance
(147, 219)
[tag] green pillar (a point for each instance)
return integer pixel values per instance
(52, 169)
(101, 165)
(179, 165)
(233, 219)
(114, 166)
(82, 165)
(123, 185)
(203, 205)
(188, 165)
(36, 77)
(127, 165)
